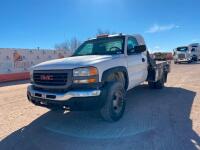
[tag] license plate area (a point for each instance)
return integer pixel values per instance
(45, 96)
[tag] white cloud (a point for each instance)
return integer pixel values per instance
(195, 40)
(156, 49)
(159, 28)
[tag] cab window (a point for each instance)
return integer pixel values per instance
(132, 42)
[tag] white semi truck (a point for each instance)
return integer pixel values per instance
(97, 76)
(190, 53)
(195, 51)
(183, 54)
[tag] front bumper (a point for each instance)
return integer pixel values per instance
(184, 59)
(61, 96)
(72, 100)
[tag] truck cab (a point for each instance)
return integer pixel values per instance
(195, 51)
(96, 76)
(183, 54)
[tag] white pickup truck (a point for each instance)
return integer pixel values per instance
(97, 76)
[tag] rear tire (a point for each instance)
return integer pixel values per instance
(115, 103)
(159, 84)
(151, 84)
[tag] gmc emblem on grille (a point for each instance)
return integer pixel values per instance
(46, 77)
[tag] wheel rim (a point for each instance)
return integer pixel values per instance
(118, 102)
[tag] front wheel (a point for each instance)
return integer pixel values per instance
(115, 103)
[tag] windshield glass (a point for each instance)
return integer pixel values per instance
(101, 46)
(182, 49)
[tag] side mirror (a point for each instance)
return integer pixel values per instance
(140, 48)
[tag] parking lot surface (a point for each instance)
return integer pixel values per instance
(167, 119)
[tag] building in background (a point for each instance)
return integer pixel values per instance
(15, 63)
(163, 56)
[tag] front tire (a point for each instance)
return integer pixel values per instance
(115, 103)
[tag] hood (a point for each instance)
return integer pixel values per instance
(72, 62)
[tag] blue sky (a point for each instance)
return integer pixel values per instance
(164, 24)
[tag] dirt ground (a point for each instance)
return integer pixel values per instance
(167, 119)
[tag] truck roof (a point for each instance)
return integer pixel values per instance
(138, 37)
(195, 44)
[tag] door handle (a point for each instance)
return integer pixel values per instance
(143, 60)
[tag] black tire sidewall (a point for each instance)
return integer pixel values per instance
(160, 84)
(151, 84)
(107, 111)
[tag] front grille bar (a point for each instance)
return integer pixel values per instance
(52, 77)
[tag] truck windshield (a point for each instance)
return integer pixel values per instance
(182, 49)
(101, 46)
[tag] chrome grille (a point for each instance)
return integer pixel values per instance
(181, 56)
(51, 77)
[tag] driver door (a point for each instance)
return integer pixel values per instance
(137, 64)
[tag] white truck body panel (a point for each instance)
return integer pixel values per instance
(196, 49)
(137, 70)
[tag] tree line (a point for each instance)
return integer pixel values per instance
(72, 44)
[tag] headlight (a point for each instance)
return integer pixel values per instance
(82, 72)
(85, 75)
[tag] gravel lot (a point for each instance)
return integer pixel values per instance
(167, 119)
